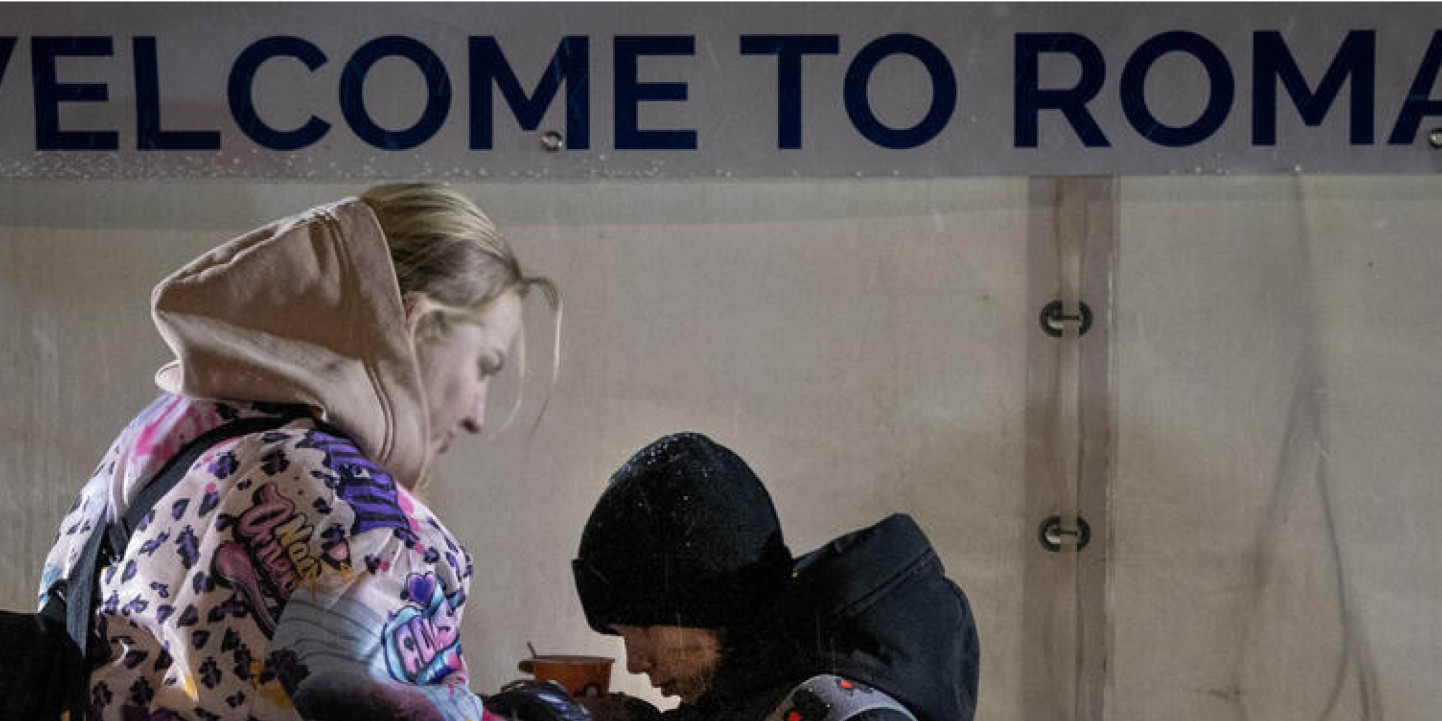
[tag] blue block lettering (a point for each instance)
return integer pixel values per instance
(242, 101)
(1031, 99)
(858, 100)
(630, 92)
(788, 50)
(570, 64)
(1133, 89)
(149, 135)
(1419, 101)
(352, 96)
(1271, 59)
(7, 46)
(50, 93)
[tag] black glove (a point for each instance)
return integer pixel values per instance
(638, 710)
(536, 701)
(619, 707)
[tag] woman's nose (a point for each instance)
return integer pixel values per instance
(476, 418)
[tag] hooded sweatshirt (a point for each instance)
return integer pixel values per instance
(874, 607)
(286, 564)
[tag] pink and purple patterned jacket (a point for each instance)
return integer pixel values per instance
(289, 560)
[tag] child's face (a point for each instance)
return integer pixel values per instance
(679, 661)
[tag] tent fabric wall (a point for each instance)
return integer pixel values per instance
(1279, 390)
(865, 344)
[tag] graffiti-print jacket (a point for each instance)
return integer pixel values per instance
(291, 564)
(210, 611)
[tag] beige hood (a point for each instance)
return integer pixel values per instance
(304, 310)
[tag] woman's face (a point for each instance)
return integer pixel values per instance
(679, 661)
(457, 364)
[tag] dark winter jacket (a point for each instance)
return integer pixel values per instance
(873, 606)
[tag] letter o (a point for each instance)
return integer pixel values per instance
(352, 95)
(858, 102)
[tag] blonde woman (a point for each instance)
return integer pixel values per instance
(294, 570)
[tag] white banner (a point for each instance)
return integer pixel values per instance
(575, 91)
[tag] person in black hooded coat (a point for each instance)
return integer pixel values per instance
(683, 556)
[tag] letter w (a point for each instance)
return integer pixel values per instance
(7, 46)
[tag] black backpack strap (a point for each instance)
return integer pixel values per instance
(834, 698)
(114, 537)
(79, 590)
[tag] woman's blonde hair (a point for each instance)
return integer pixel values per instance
(446, 249)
